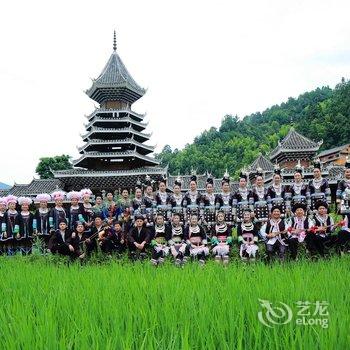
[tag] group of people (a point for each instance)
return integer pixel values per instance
(158, 222)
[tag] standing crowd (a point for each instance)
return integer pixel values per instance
(157, 223)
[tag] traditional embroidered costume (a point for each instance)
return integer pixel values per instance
(247, 234)
(318, 187)
(221, 239)
(275, 235)
(297, 229)
(224, 200)
(196, 242)
(160, 236)
(57, 213)
(177, 241)
(318, 240)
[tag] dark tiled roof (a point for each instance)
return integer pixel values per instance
(107, 173)
(336, 172)
(35, 187)
(83, 161)
(17, 189)
(295, 142)
(4, 193)
(115, 76)
(108, 180)
(44, 186)
(93, 142)
(333, 150)
(263, 163)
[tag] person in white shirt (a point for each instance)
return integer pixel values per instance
(319, 239)
(297, 228)
(344, 235)
(275, 234)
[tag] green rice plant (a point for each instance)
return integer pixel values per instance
(47, 303)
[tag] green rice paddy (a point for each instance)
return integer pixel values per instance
(48, 304)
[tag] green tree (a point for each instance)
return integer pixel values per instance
(46, 164)
(320, 114)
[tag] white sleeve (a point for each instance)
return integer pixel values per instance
(332, 224)
(263, 231)
(287, 225)
(311, 223)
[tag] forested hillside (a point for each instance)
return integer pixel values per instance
(320, 114)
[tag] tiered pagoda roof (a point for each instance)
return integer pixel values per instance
(115, 82)
(294, 146)
(115, 137)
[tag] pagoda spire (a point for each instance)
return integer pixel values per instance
(114, 41)
(115, 82)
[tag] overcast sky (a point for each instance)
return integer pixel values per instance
(199, 61)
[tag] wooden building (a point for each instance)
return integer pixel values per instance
(335, 156)
(294, 148)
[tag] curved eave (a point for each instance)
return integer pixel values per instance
(112, 110)
(263, 163)
(129, 120)
(121, 92)
(275, 153)
(142, 137)
(116, 143)
(115, 76)
(80, 172)
(113, 155)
